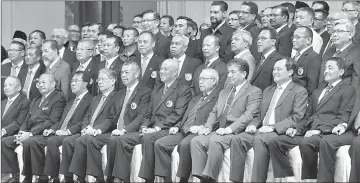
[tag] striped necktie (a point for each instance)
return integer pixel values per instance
(69, 114)
(97, 110)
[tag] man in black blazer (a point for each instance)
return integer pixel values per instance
(94, 123)
(85, 63)
(266, 42)
(167, 106)
(148, 61)
(220, 29)
(352, 8)
(16, 67)
(210, 50)
(320, 27)
(354, 152)
(307, 61)
(44, 111)
(181, 134)
(13, 109)
(187, 65)
(130, 38)
(279, 22)
(247, 17)
(128, 114)
(112, 45)
(35, 67)
(69, 124)
(61, 37)
(151, 22)
(325, 127)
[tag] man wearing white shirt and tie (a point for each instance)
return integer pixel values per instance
(61, 37)
(187, 65)
(128, 112)
(147, 60)
(16, 67)
(35, 69)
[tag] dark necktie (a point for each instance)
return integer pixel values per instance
(191, 118)
(207, 64)
(97, 110)
(165, 89)
(120, 124)
(337, 53)
(327, 91)
(69, 114)
(227, 107)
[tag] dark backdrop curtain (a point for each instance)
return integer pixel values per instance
(80, 12)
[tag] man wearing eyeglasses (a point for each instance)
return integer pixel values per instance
(61, 37)
(247, 16)
(137, 21)
(94, 123)
(236, 106)
(352, 8)
(305, 17)
(266, 42)
(15, 68)
(74, 37)
(183, 27)
(307, 61)
(182, 133)
(151, 22)
(220, 29)
(233, 20)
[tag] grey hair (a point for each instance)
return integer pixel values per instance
(245, 36)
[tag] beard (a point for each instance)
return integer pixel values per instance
(215, 23)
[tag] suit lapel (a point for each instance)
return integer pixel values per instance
(240, 93)
(344, 53)
(286, 92)
(329, 95)
(266, 61)
(108, 98)
(267, 99)
(212, 65)
(303, 56)
(53, 69)
(171, 89)
(13, 105)
(148, 68)
(3, 105)
(115, 63)
(46, 100)
(133, 94)
(184, 66)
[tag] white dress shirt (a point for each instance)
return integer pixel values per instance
(272, 113)
(83, 66)
(33, 71)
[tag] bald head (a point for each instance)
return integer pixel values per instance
(169, 70)
(211, 47)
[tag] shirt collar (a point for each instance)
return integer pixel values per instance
(279, 29)
(19, 64)
(133, 86)
(344, 47)
(269, 52)
(218, 27)
(170, 84)
(212, 60)
(181, 59)
(82, 95)
(284, 85)
(148, 57)
(321, 32)
(48, 94)
(54, 62)
(86, 63)
(303, 50)
(111, 60)
(335, 83)
(14, 98)
(107, 93)
(61, 51)
(241, 53)
(239, 86)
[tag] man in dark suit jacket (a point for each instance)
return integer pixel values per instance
(86, 63)
(111, 51)
(181, 134)
(284, 33)
(94, 123)
(148, 61)
(263, 77)
(167, 106)
(58, 68)
(326, 127)
(236, 106)
(220, 29)
(44, 111)
(212, 60)
(69, 124)
(13, 109)
(319, 26)
(187, 65)
(307, 61)
(151, 24)
(354, 152)
(279, 110)
(128, 113)
(351, 8)
(61, 37)
(247, 21)
(35, 68)
(16, 67)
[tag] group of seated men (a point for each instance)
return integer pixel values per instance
(239, 86)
